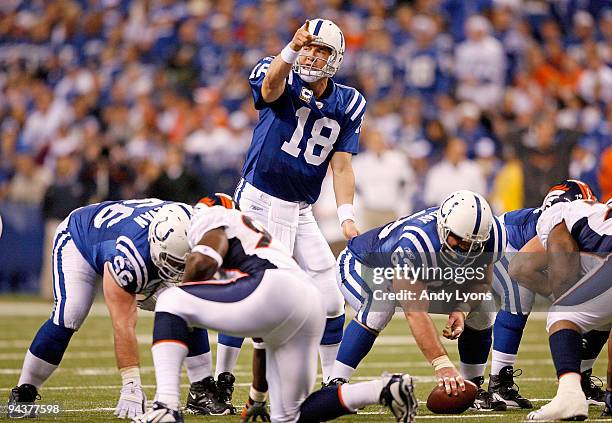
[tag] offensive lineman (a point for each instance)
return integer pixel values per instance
(462, 232)
(270, 298)
(307, 123)
(115, 240)
(582, 303)
(517, 300)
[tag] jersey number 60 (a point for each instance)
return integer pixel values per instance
(316, 138)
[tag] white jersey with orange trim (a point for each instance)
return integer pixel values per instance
(589, 222)
(251, 247)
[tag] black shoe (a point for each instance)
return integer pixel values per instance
(225, 390)
(484, 399)
(592, 391)
(202, 399)
(607, 411)
(24, 395)
(337, 381)
(503, 388)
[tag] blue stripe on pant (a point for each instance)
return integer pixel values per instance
(62, 239)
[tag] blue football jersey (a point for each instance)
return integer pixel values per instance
(521, 226)
(116, 232)
(414, 241)
(297, 135)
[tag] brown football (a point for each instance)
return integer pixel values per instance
(440, 402)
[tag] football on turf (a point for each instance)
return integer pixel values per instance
(440, 402)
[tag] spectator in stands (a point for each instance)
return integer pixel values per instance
(30, 181)
(384, 181)
(453, 173)
(480, 65)
(544, 153)
(176, 182)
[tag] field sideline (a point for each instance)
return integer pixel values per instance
(87, 383)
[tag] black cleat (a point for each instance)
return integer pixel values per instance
(202, 398)
(503, 388)
(592, 391)
(484, 399)
(607, 411)
(398, 395)
(225, 390)
(24, 394)
(337, 381)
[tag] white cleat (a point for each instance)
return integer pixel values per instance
(566, 406)
(398, 395)
(160, 413)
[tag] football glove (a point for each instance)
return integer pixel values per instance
(132, 401)
(254, 409)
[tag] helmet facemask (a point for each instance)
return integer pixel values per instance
(168, 241)
(456, 256)
(312, 73)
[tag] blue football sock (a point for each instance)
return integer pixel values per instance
(51, 342)
(322, 405)
(198, 342)
(333, 330)
(170, 327)
(356, 344)
(474, 345)
(508, 331)
(230, 341)
(566, 349)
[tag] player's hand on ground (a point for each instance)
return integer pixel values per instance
(349, 229)
(454, 325)
(253, 410)
(451, 380)
(132, 401)
(302, 37)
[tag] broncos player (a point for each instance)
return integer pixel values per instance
(264, 274)
(583, 292)
(115, 240)
(307, 123)
(462, 232)
(517, 300)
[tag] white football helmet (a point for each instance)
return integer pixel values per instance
(168, 241)
(468, 216)
(328, 35)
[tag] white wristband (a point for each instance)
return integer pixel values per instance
(442, 362)
(289, 55)
(346, 212)
(208, 251)
(130, 374)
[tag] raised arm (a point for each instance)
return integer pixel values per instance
(274, 81)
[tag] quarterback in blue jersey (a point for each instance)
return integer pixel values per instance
(581, 286)
(461, 233)
(517, 300)
(115, 240)
(307, 124)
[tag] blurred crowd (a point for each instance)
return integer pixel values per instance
(111, 99)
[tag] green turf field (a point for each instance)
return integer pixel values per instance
(87, 383)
